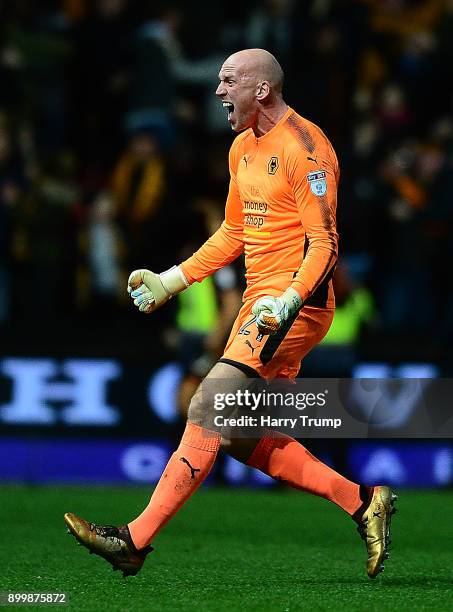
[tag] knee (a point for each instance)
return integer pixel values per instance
(196, 409)
(238, 448)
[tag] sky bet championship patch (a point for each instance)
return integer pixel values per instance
(317, 181)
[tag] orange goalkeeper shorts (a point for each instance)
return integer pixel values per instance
(278, 355)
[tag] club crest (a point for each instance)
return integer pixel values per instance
(317, 181)
(272, 166)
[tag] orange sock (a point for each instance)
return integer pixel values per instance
(283, 458)
(187, 468)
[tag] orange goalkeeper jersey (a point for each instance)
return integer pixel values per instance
(280, 212)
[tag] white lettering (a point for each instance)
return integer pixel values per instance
(33, 391)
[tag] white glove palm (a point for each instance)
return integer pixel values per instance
(150, 290)
(273, 312)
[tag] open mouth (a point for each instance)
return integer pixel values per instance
(229, 107)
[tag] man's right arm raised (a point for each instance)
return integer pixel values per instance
(223, 246)
(150, 290)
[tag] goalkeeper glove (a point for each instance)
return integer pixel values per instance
(150, 291)
(273, 312)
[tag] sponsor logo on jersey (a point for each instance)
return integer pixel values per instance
(317, 182)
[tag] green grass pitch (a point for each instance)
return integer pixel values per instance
(229, 549)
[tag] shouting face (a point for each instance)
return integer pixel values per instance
(238, 90)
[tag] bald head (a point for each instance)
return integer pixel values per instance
(251, 90)
(258, 64)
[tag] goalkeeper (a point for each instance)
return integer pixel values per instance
(280, 212)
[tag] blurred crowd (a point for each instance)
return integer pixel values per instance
(113, 154)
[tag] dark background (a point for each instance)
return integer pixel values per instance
(113, 156)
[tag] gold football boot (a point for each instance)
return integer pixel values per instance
(374, 528)
(114, 544)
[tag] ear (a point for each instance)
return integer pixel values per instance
(263, 90)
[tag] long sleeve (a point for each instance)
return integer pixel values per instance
(225, 244)
(318, 218)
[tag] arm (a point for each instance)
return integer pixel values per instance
(150, 291)
(315, 192)
(317, 215)
(224, 245)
